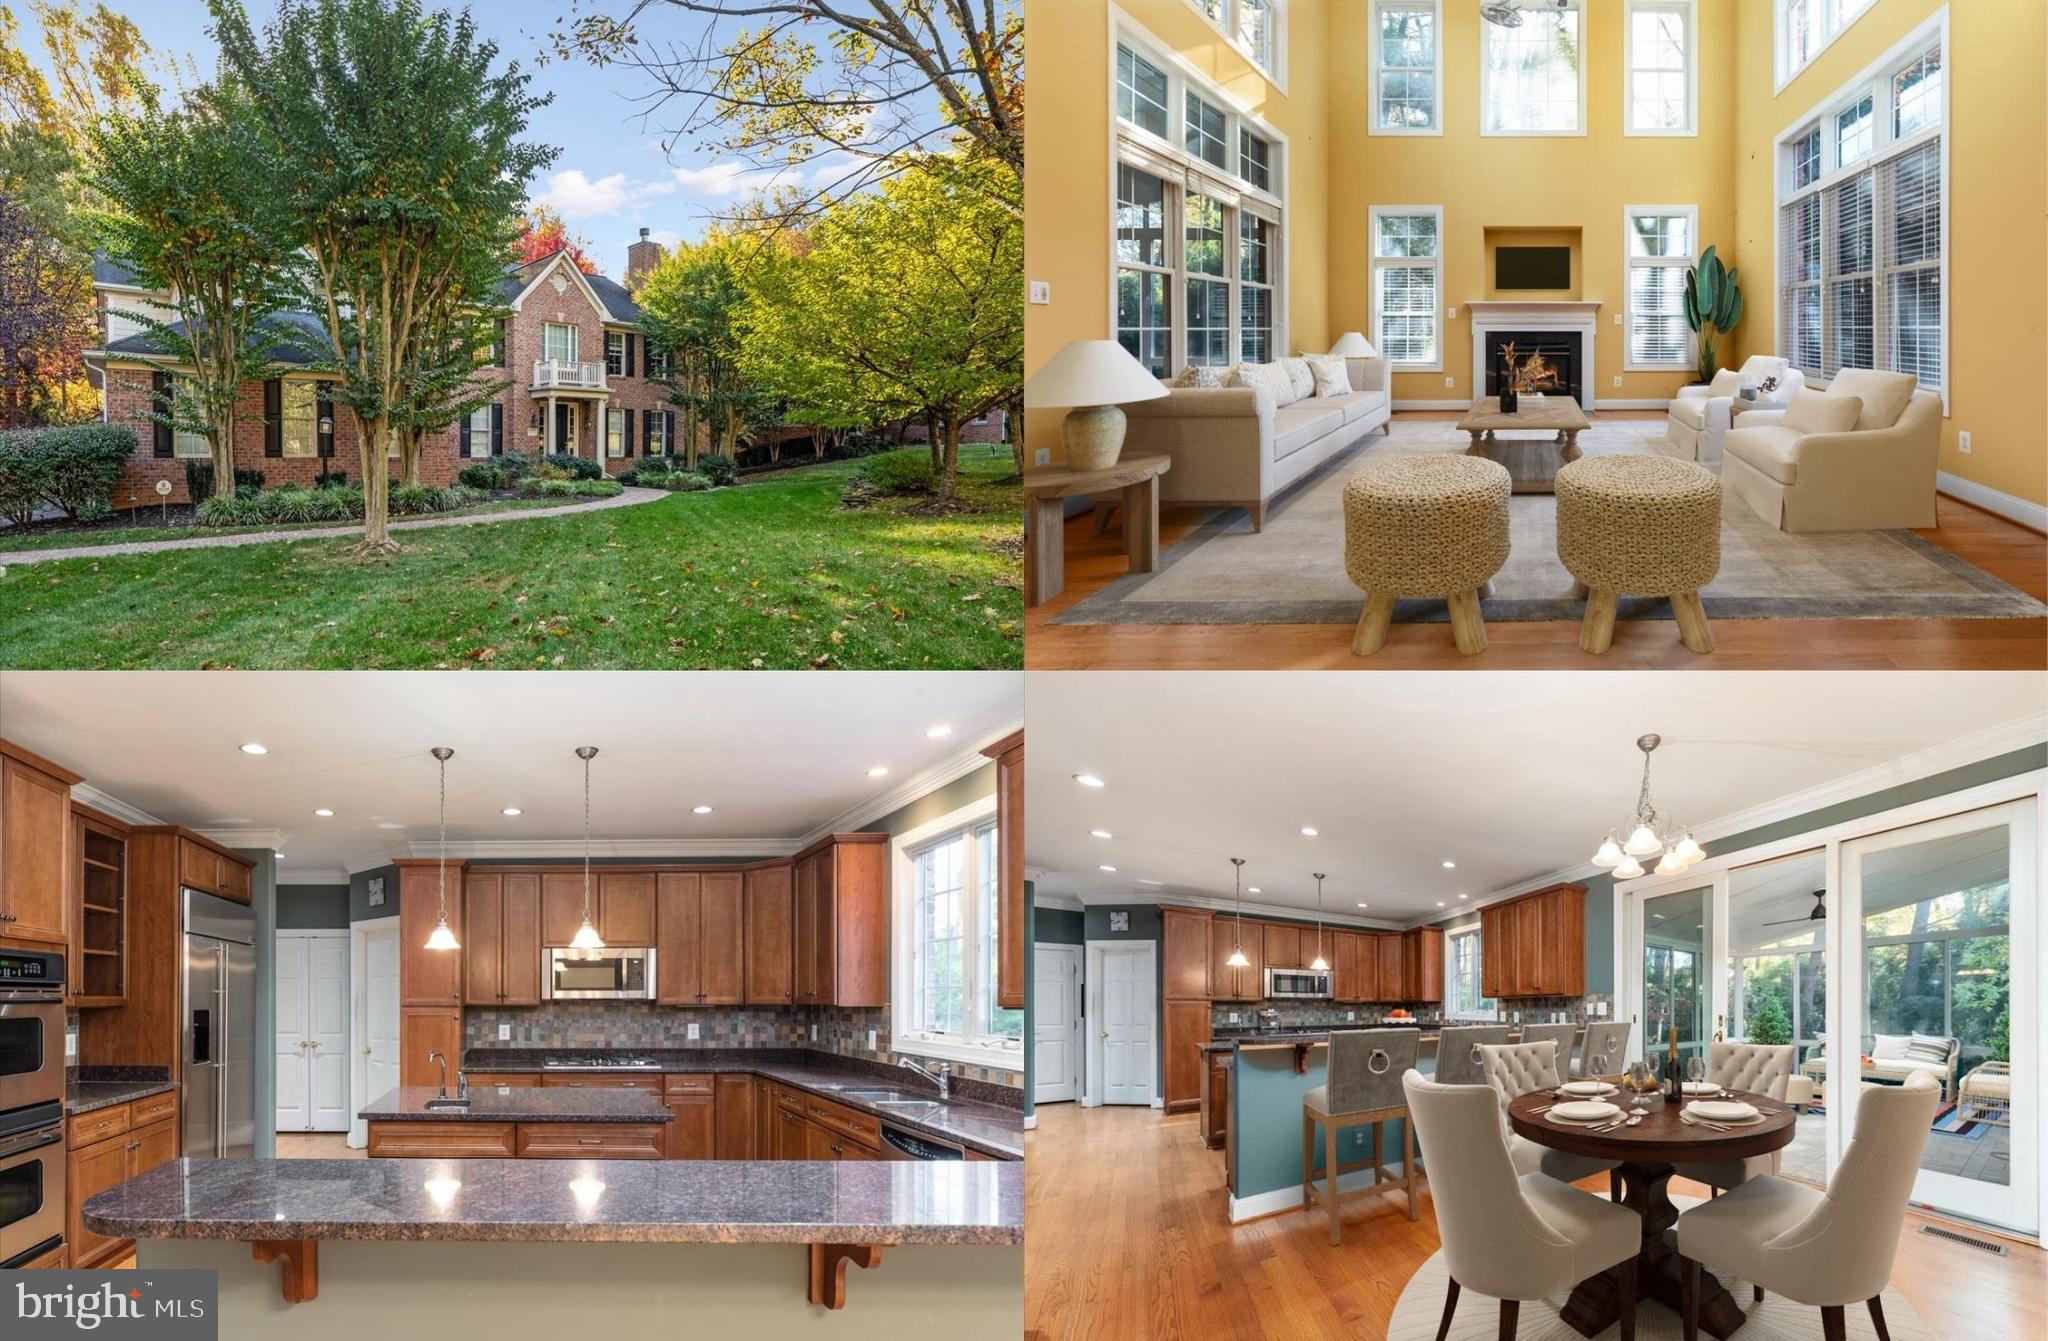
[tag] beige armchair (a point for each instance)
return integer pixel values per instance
(1697, 417)
(1879, 475)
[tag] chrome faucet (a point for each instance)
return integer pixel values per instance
(943, 1077)
(437, 1057)
(462, 1084)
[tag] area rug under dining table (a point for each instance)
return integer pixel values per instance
(1293, 571)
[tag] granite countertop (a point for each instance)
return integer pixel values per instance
(989, 1128)
(90, 1088)
(520, 1104)
(588, 1201)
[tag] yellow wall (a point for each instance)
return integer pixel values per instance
(1998, 188)
(1067, 181)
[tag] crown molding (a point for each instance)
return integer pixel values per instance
(113, 805)
(1065, 902)
(311, 875)
(917, 785)
(270, 840)
(1173, 898)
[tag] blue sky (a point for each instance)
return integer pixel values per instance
(612, 177)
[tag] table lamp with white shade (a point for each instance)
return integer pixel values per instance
(1352, 345)
(1092, 377)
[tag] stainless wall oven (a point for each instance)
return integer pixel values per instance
(1298, 984)
(31, 1182)
(610, 974)
(31, 1028)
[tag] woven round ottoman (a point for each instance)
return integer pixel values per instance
(1646, 525)
(1433, 525)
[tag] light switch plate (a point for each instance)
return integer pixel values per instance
(693, 1033)
(1963, 442)
(1043, 457)
(1041, 291)
(1617, 318)
(1617, 379)
(70, 1044)
(1450, 381)
(1451, 312)
(504, 1033)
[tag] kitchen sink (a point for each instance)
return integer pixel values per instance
(438, 1104)
(873, 1096)
(909, 1107)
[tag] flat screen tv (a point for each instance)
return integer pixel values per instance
(1532, 267)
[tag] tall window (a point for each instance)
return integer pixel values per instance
(657, 434)
(1208, 287)
(1659, 64)
(1407, 67)
(948, 964)
(558, 343)
(185, 442)
(1140, 92)
(615, 353)
(1532, 77)
(1861, 256)
(1254, 27)
(301, 413)
(1255, 291)
(1407, 252)
(480, 431)
(1144, 315)
(615, 432)
(1660, 246)
(1806, 27)
(1464, 957)
(1205, 139)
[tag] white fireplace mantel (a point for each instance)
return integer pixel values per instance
(1535, 314)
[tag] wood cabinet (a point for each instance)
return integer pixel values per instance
(734, 1127)
(428, 977)
(56, 1259)
(561, 905)
(842, 921)
(1534, 944)
(1187, 1029)
(98, 887)
(575, 1080)
(591, 1140)
(1216, 1098)
(764, 1118)
(1355, 971)
(792, 1133)
(506, 1080)
(700, 938)
(625, 907)
(1393, 966)
(693, 1134)
(1282, 946)
(1422, 956)
(423, 1030)
(500, 938)
(35, 840)
(212, 869)
(1235, 984)
(1009, 756)
(770, 936)
(442, 1140)
(107, 1147)
(1186, 932)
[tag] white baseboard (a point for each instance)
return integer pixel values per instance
(1030, 1122)
(1289, 1198)
(1653, 403)
(1598, 405)
(1432, 405)
(2032, 515)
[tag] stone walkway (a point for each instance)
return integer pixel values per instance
(630, 498)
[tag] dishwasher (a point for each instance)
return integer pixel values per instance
(900, 1144)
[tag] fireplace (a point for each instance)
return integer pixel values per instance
(1557, 357)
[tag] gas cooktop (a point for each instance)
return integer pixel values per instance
(581, 1060)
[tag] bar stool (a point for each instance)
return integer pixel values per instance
(1457, 1052)
(1560, 1034)
(1364, 1088)
(1606, 1050)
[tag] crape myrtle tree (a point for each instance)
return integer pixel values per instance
(191, 208)
(691, 306)
(397, 142)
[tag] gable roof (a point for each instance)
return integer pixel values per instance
(610, 297)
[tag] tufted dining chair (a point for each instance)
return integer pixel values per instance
(1606, 1050)
(1564, 1035)
(1512, 1237)
(1516, 1069)
(1828, 1249)
(1457, 1052)
(1755, 1068)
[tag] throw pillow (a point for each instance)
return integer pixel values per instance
(1822, 412)
(1726, 383)
(1298, 373)
(1926, 1048)
(1269, 376)
(1884, 394)
(1197, 374)
(1332, 378)
(1888, 1047)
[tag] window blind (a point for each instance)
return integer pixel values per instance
(1913, 272)
(1799, 282)
(1851, 311)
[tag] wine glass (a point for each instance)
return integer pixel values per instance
(1639, 1081)
(1696, 1069)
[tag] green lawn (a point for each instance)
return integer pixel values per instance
(770, 574)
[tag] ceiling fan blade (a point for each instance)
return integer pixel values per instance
(1819, 913)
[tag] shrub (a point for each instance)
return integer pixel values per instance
(1768, 1025)
(861, 442)
(234, 511)
(651, 471)
(289, 503)
(539, 486)
(483, 475)
(338, 502)
(199, 479)
(72, 467)
(329, 476)
(24, 480)
(717, 467)
(599, 488)
(575, 467)
(412, 500)
(899, 472)
(686, 482)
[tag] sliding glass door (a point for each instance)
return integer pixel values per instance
(1671, 986)
(1776, 972)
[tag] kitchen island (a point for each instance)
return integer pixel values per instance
(536, 1249)
(522, 1123)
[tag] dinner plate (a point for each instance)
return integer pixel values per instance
(1590, 1088)
(1701, 1087)
(1585, 1110)
(1722, 1110)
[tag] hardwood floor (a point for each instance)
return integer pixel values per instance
(316, 1145)
(1128, 1238)
(2007, 551)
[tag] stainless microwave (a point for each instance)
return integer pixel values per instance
(610, 974)
(1297, 984)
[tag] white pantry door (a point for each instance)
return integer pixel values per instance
(1056, 1023)
(327, 1032)
(294, 1080)
(1125, 1025)
(381, 988)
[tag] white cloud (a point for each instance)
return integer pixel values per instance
(575, 196)
(724, 181)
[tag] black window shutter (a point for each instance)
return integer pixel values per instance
(497, 429)
(629, 353)
(273, 417)
(160, 394)
(323, 410)
(465, 436)
(668, 428)
(502, 346)
(626, 422)
(647, 429)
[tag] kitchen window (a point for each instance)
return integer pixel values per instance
(1407, 252)
(1659, 65)
(945, 891)
(1463, 960)
(300, 429)
(1532, 78)
(1407, 68)
(1660, 242)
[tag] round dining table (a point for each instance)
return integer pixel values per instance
(1649, 1153)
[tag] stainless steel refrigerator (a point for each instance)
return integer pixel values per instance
(220, 1028)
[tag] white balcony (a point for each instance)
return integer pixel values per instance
(560, 375)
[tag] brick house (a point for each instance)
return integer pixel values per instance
(583, 380)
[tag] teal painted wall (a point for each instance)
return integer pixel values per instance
(311, 907)
(1059, 926)
(959, 792)
(1265, 1119)
(359, 909)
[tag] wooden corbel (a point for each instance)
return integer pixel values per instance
(301, 1258)
(828, 1269)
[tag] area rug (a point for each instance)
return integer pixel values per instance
(1421, 1307)
(1293, 571)
(1951, 1122)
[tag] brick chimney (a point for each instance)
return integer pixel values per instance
(642, 257)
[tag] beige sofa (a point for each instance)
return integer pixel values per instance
(1878, 476)
(1233, 447)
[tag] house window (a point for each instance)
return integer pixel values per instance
(1660, 248)
(1805, 28)
(945, 891)
(1144, 313)
(1205, 132)
(1255, 288)
(1532, 78)
(615, 353)
(657, 434)
(658, 363)
(1407, 67)
(1862, 260)
(498, 343)
(1208, 288)
(1140, 92)
(1255, 160)
(1254, 27)
(301, 419)
(1463, 960)
(480, 431)
(558, 343)
(184, 442)
(1659, 65)
(615, 432)
(1407, 251)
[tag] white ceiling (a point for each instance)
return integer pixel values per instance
(777, 755)
(1510, 775)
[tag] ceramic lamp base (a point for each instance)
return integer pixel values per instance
(1094, 436)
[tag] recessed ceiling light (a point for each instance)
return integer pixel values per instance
(1089, 780)
(1155, 883)
(1105, 868)
(939, 732)
(1439, 903)
(1253, 890)
(1461, 896)
(1308, 831)
(324, 813)
(700, 810)
(1450, 866)
(878, 771)
(513, 811)
(1361, 905)
(253, 748)
(1102, 833)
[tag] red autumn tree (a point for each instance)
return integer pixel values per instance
(542, 233)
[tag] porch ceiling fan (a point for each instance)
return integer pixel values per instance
(1819, 913)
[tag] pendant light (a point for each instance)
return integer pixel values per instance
(1237, 958)
(1319, 964)
(586, 937)
(1649, 834)
(442, 937)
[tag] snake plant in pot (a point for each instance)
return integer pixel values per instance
(1713, 304)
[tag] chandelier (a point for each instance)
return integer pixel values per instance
(1650, 834)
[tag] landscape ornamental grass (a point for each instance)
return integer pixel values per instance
(71, 468)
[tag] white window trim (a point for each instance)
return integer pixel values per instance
(1629, 262)
(1827, 18)
(1372, 69)
(903, 953)
(1484, 81)
(1692, 68)
(1276, 75)
(1451, 939)
(575, 342)
(1379, 263)
(615, 431)
(1877, 75)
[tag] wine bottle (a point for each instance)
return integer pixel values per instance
(1674, 1070)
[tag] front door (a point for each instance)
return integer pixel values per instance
(568, 428)
(1125, 1026)
(1056, 1023)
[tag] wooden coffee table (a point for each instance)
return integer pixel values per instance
(1531, 462)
